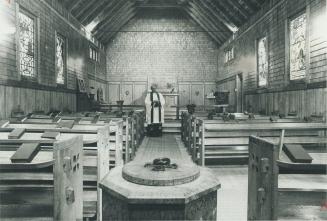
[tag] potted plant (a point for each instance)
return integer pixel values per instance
(191, 108)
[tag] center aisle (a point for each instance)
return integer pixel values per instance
(233, 193)
(166, 146)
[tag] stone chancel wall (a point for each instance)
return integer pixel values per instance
(162, 45)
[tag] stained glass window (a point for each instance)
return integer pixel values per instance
(60, 59)
(229, 55)
(297, 47)
(94, 54)
(262, 62)
(26, 45)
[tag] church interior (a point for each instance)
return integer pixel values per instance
(163, 110)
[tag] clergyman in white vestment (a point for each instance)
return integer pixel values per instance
(154, 103)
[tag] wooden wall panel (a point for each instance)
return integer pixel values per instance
(114, 92)
(209, 88)
(2, 102)
(139, 94)
(197, 94)
(127, 93)
(12, 99)
(184, 91)
(136, 92)
(304, 102)
(188, 89)
(31, 100)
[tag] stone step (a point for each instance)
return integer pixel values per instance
(169, 130)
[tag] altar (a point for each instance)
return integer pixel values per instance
(171, 106)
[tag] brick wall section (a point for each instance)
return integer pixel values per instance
(271, 21)
(165, 50)
(78, 63)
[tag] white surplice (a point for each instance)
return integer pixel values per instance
(148, 107)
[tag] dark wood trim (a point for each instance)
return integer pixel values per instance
(35, 86)
(230, 78)
(291, 87)
(92, 77)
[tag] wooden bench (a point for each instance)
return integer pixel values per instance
(232, 139)
(97, 144)
(133, 126)
(299, 194)
(190, 123)
(61, 199)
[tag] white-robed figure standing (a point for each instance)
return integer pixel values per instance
(154, 103)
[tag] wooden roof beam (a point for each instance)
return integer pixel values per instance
(123, 11)
(247, 5)
(112, 27)
(221, 28)
(87, 6)
(210, 28)
(237, 7)
(114, 12)
(102, 12)
(255, 3)
(119, 26)
(231, 26)
(72, 4)
(109, 13)
(203, 26)
(218, 31)
(223, 9)
(94, 12)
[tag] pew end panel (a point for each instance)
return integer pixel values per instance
(117, 128)
(201, 161)
(68, 179)
(102, 163)
(262, 179)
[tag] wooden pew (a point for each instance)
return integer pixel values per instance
(35, 132)
(94, 138)
(190, 127)
(61, 200)
(234, 137)
(273, 195)
(133, 125)
(187, 121)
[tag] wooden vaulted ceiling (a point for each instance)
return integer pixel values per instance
(219, 18)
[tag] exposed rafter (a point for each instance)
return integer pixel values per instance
(219, 18)
(193, 15)
(92, 14)
(72, 4)
(220, 29)
(110, 16)
(119, 26)
(125, 11)
(234, 18)
(210, 26)
(217, 15)
(83, 9)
